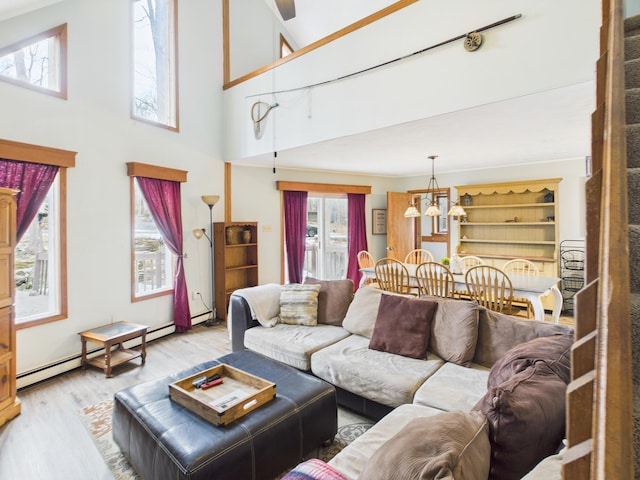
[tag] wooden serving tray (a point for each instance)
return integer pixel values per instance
(238, 394)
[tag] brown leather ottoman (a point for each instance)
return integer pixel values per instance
(163, 440)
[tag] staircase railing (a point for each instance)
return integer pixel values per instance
(601, 387)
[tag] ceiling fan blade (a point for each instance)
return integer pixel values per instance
(287, 8)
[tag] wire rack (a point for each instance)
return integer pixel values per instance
(572, 257)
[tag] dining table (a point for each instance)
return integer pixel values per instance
(531, 287)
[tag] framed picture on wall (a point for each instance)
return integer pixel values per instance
(379, 223)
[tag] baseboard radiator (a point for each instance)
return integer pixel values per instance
(64, 365)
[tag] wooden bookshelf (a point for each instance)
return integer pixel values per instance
(235, 260)
(511, 220)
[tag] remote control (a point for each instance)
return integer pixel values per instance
(212, 383)
(198, 382)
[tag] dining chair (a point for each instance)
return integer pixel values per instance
(470, 261)
(435, 279)
(490, 287)
(522, 266)
(365, 260)
(392, 275)
(418, 256)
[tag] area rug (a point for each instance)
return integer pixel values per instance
(97, 420)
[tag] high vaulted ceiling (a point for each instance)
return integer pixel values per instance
(548, 126)
(11, 8)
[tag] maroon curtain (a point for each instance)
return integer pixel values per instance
(295, 232)
(357, 237)
(34, 181)
(163, 198)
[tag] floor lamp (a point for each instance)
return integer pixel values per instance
(210, 201)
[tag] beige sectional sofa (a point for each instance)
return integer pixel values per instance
(470, 354)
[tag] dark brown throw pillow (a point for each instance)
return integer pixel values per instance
(333, 300)
(526, 417)
(403, 326)
(555, 351)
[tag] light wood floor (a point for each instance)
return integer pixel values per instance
(47, 441)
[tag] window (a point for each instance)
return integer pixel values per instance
(37, 263)
(326, 241)
(41, 257)
(154, 263)
(154, 62)
(39, 62)
(285, 48)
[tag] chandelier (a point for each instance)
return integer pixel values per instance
(433, 210)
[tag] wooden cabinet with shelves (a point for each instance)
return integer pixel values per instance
(235, 260)
(511, 220)
(9, 403)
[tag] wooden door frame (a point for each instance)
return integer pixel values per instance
(434, 237)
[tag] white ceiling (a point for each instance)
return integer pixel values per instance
(12, 8)
(548, 126)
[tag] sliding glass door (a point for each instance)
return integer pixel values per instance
(326, 241)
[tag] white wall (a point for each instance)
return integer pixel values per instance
(255, 198)
(254, 36)
(554, 44)
(94, 121)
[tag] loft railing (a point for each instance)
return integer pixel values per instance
(599, 413)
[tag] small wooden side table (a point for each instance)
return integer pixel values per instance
(110, 335)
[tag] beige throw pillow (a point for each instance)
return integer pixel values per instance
(363, 311)
(450, 445)
(299, 304)
(454, 331)
(333, 300)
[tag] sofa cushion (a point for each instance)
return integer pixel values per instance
(292, 344)
(526, 420)
(497, 333)
(352, 460)
(454, 331)
(361, 315)
(379, 376)
(334, 299)
(554, 350)
(452, 445)
(403, 326)
(453, 387)
(299, 304)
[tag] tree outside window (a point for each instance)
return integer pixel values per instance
(154, 62)
(38, 62)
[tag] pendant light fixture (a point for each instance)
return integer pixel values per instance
(412, 211)
(433, 210)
